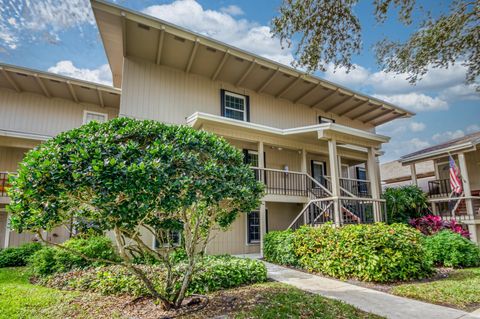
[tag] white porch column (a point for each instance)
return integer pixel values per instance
(335, 179)
(413, 172)
(263, 225)
(372, 177)
(6, 242)
(304, 161)
(261, 159)
(466, 183)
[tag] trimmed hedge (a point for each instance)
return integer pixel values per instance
(450, 249)
(18, 256)
(51, 260)
(214, 273)
(279, 249)
(377, 252)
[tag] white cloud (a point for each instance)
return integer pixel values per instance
(397, 148)
(448, 135)
(232, 10)
(22, 20)
(473, 128)
(356, 77)
(417, 126)
(460, 92)
(221, 25)
(100, 75)
(417, 102)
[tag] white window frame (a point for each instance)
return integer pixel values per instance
(325, 120)
(85, 112)
(247, 239)
(225, 107)
(348, 170)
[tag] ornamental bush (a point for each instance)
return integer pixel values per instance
(432, 224)
(404, 203)
(215, 272)
(51, 260)
(377, 252)
(449, 249)
(279, 249)
(18, 256)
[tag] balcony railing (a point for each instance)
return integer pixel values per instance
(439, 188)
(357, 187)
(278, 182)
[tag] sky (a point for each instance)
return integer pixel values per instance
(61, 37)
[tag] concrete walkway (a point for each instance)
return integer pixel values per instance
(369, 300)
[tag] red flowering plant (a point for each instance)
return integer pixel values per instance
(431, 224)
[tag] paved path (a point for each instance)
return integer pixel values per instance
(369, 300)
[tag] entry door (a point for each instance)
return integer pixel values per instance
(318, 172)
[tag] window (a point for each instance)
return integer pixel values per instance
(362, 186)
(235, 106)
(251, 157)
(322, 120)
(174, 239)
(89, 116)
(253, 227)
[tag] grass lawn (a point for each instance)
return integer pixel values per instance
(20, 299)
(461, 290)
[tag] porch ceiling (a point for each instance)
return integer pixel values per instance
(306, 135)
(56, 86)
(130, 34)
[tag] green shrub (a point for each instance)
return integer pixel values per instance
(54, 260)
(278, 248)
(405, 203)
(378, 252)
(18, 256)
(214, 273)
(452, 250)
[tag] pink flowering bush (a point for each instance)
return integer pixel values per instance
(431, 224)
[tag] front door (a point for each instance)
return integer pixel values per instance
(318, 172)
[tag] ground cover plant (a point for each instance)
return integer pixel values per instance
(461, 289)
(126, 175)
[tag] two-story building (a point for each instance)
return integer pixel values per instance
(34, 106)
(463, 207)
(312, 142)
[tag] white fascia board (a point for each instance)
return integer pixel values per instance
(192, 119)
(24, 135)
(439, 152)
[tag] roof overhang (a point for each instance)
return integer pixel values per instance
(53, 85)
(126, 33)
(326, 131)
(454, 149)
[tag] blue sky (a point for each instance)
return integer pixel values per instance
(61, 36)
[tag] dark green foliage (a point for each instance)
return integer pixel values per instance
(452, 250)
(377, 252)
(404, 203)
(214, 273)
(279, 249)
(51, 260)
(18, 256)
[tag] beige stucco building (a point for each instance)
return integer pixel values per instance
(312, 142)
(394, 174)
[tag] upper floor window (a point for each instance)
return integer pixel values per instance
(235, 106)
(89, 116)
(322, 120)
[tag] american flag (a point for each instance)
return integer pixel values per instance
(455, 180)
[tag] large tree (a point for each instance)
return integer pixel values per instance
(128, 177)
(329, 32)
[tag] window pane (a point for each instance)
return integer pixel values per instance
(236, 115)
(253, 227)
(234, 102)
(252, 159)
(89, 117)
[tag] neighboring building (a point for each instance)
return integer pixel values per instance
(466, 153)
(35, 106)
(394, 174)
(312, 142)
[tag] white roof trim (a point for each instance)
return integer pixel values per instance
(30, 136)
(439, 152)
(192, 119)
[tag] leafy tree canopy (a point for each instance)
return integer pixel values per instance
(126, 175)
(330, 33)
